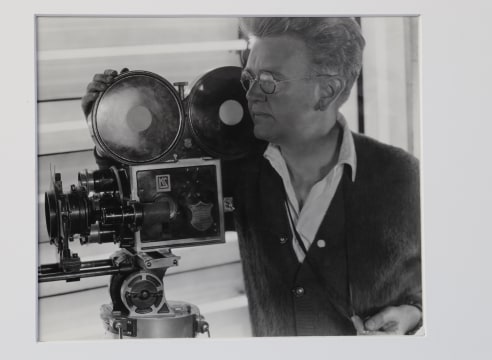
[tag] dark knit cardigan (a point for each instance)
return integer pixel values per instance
(371, 258)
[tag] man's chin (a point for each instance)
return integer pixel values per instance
(261, 134)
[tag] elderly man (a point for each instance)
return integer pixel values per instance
(328, 220)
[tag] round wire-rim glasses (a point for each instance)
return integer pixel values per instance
(268, 84)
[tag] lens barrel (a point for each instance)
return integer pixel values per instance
(98, 181)
(51, 214)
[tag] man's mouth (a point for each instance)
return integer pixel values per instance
(260, 114)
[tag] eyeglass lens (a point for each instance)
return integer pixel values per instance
(265, 80)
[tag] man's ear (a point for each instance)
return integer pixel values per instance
(331, 88)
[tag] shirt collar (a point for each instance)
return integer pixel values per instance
(347, 149)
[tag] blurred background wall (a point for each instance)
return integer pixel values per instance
(70, 50)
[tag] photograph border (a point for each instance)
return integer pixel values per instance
(455, 78)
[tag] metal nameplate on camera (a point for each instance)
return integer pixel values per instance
(181, 201)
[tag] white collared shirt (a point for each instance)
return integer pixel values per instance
(308, 220)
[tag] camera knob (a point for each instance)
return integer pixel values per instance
(181, 85)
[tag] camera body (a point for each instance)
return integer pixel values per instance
(159, 186)
(141, 207)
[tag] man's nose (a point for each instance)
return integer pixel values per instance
(254, 92)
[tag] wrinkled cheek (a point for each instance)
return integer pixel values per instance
(288, 117)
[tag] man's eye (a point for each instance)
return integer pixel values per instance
(266, 77)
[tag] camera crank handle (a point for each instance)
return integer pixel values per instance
(203, 327)
(207, 329)
(181, 85)
(119, 327)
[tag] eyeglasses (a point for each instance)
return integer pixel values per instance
(268, 84)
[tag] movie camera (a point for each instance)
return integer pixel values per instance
(159, 186)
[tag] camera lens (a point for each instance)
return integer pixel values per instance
(50, 212)
(74, 207)
(77, 202)
(99, 180)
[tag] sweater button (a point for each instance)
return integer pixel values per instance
(283, 240)
(321, 243)
(298, 291)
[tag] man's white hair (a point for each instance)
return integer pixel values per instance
(335, 43)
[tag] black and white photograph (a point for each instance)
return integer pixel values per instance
(246, 180)
(228, 177)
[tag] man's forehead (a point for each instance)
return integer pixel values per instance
(279, 54)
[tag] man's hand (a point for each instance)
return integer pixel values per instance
(99, 83)
(393, 320)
